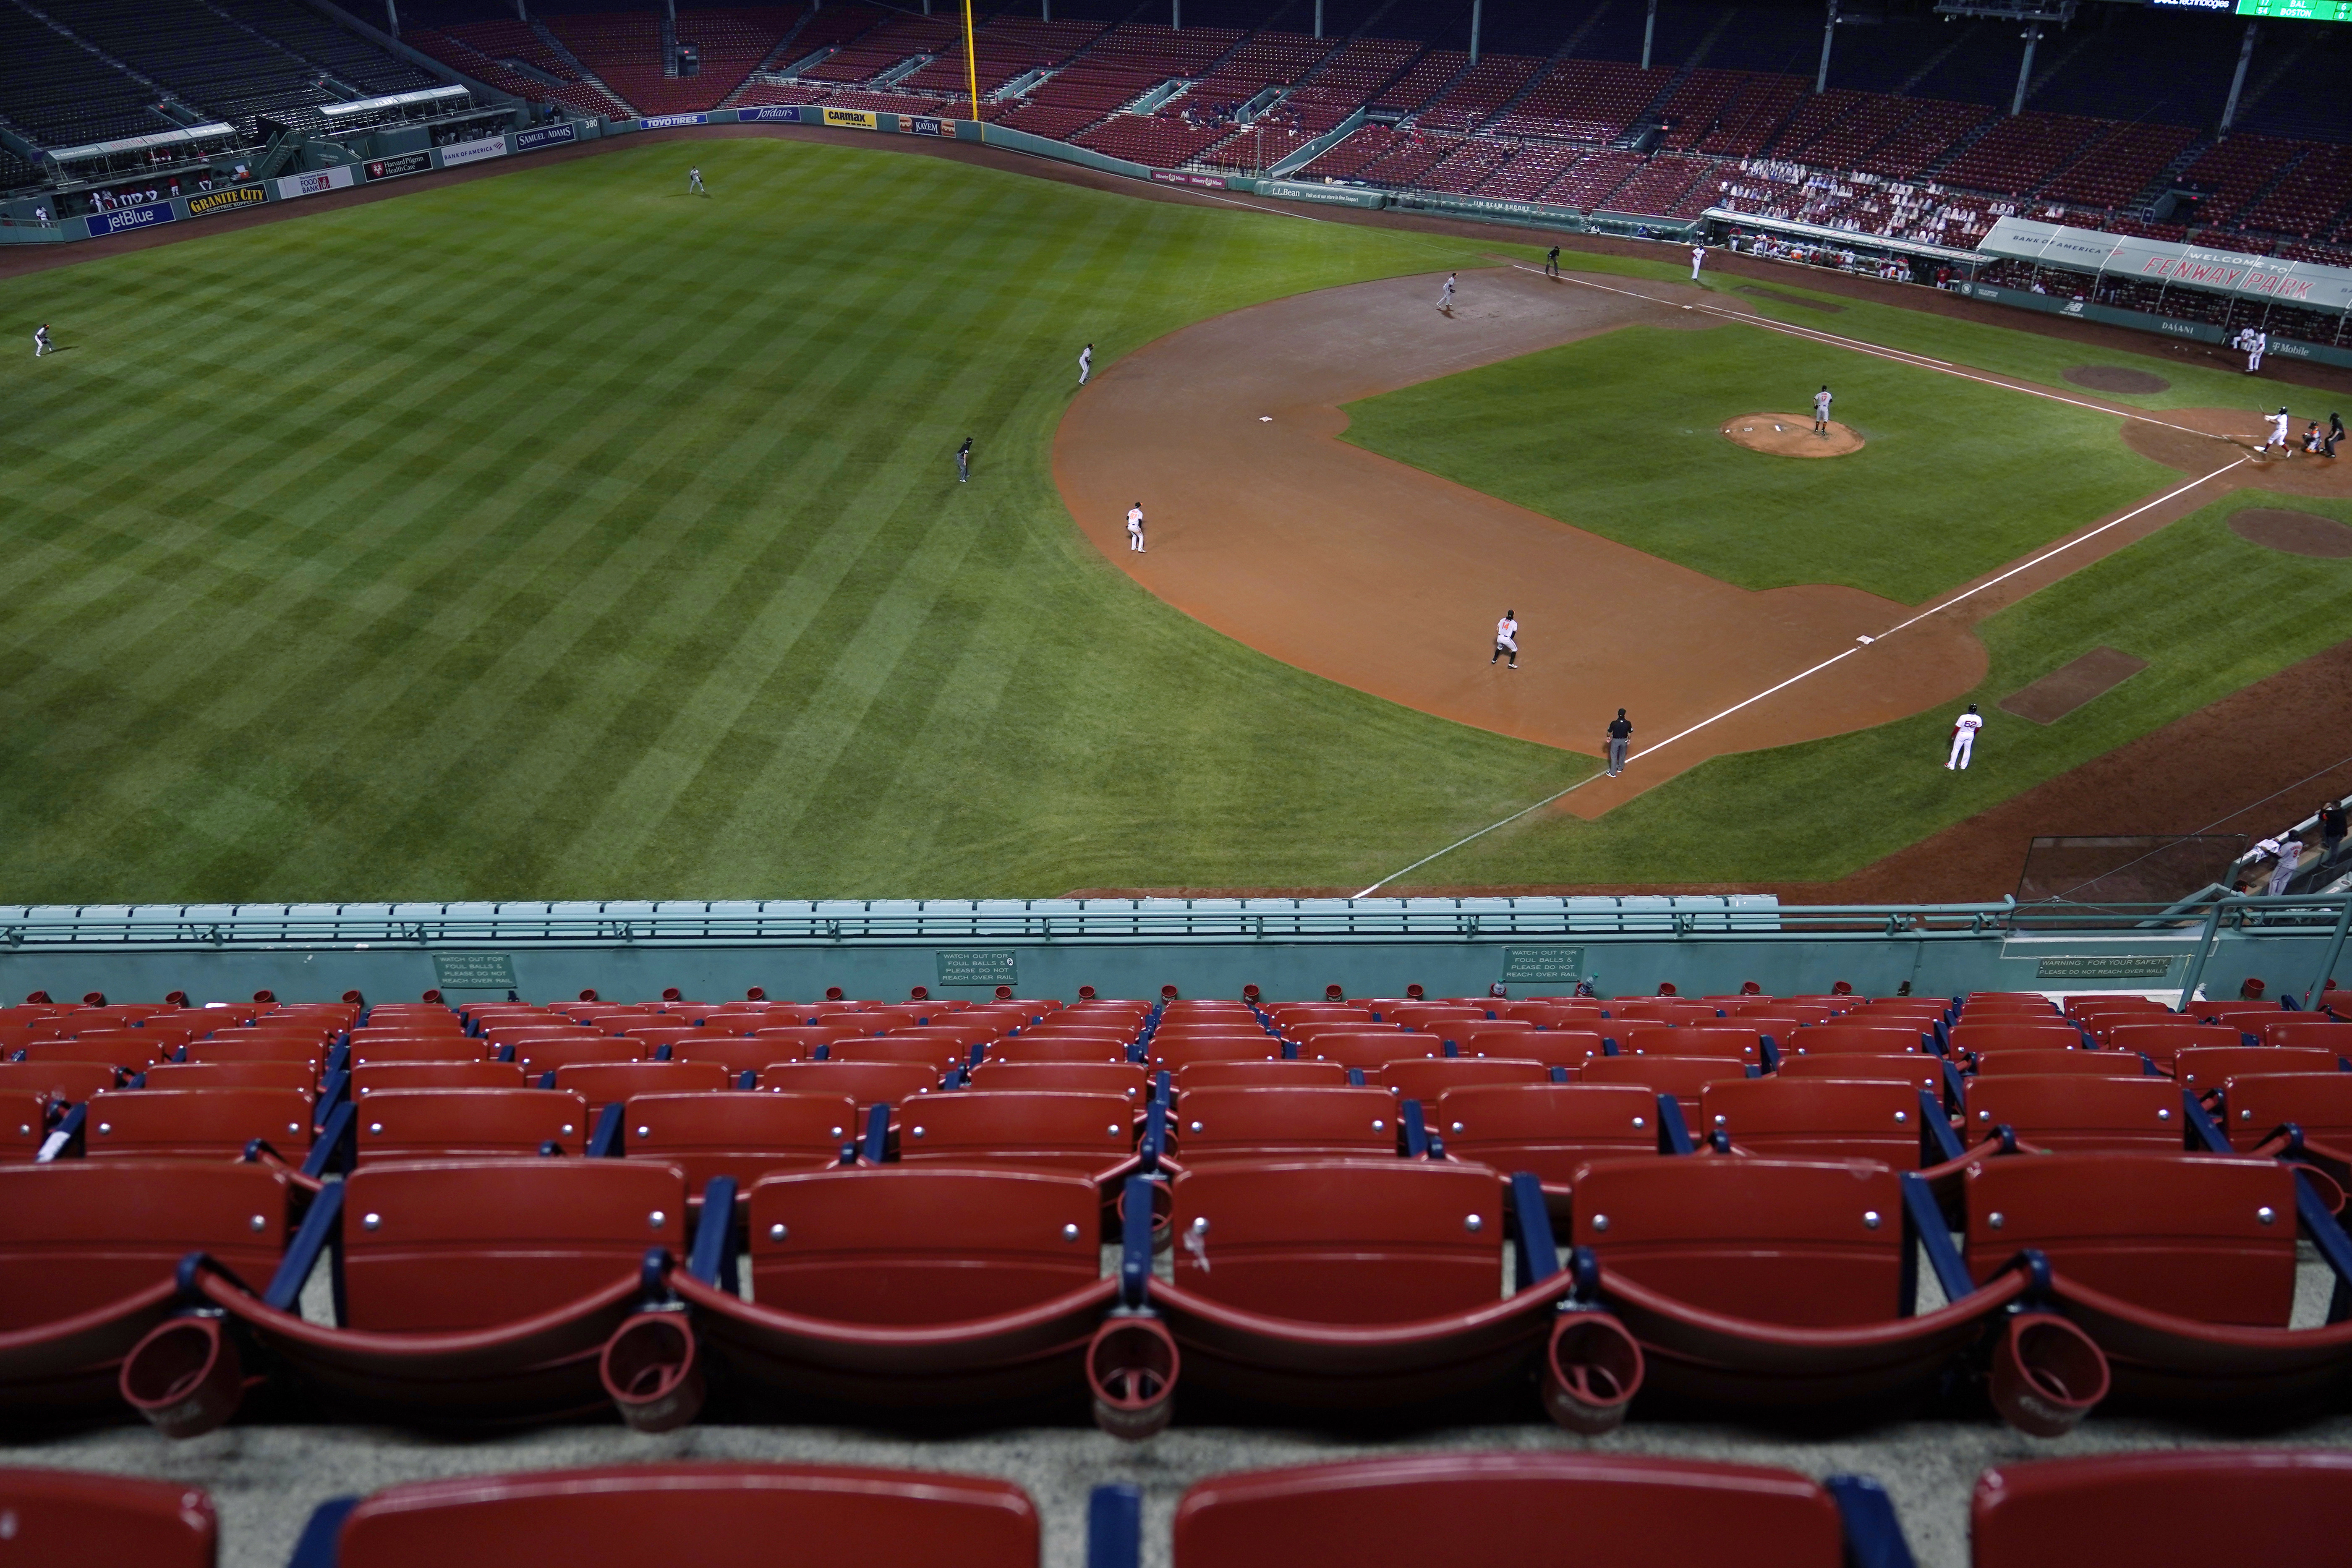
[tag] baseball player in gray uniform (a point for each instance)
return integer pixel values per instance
(1821, 411)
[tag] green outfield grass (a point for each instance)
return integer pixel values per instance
(1619, 435)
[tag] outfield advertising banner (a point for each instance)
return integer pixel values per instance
(1178, 177)
(458, 154)
(2308, 284)
(316, 182)
(545, 136)
(661, 121)
(856, 119)
(394, 168)
(925, 125)
(779, 114)
(212, 202)
(121, 219)
(1327, 195)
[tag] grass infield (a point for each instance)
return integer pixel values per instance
(561, 535)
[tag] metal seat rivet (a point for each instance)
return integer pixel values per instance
(1473, 1224)
(1870, 1219)
(259, 1224)
(1994, 1219)
(567, 1130)
(1601, 1221)
(105, 1126)
(372, 1221)
(376, 1128)
(777, 1232)
(1069, 1233)
(1902, 1116)
(1196, 1127)
(657, 1219)
(1457, 1127)
(1639, 1123)
(1378, 1125)
(2267, 1213)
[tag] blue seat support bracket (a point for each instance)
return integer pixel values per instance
(1536, 1253)
(712, 1259)
(1873, 1534)
(1923, 1217)
(1115, 1526)
(1135, 1244)
(322, 1228)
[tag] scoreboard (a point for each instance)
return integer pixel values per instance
(2298, 10)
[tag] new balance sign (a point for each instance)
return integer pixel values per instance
(461, 152)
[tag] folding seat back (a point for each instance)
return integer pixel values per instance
(537, 1056)
(2255, 1105)
(1472, 1511)
(2247, 1015)
(921, 1244)
(1685, 1077)
(62, 1083)
(99, 1520)
(298, 1076)
(2061, 1062)
(76, 1234)
(1369, 1050)
(1849, 1038)
(1261, 1075)
(1287, 1013)
(1804, 1243)
(1547, 1128)
(937, 1055)
(746, 1136)
(1916, 1068)
(1341, 1241)
(1087, 1050)
(1034, 1128)
(24, 1124)
(163, 1041)
(420, 1048)
(2208, 1066)
(873, 1020)
(2163, 1043)
(2069, 1113)
(954, 1040)
(2305, 1032)
(1175, 1056)
(2233, 1506)
(196, 1123)
(1696, 1040)
(2209, 1238)
(470, 1123)
(1985, 1039)
(1424, 1078)
(867, 1083)
(736, 1514)
(1662, 1010)
(307, 1055)
(733, 1055)
(123, 1054)
(1549, 1014)
(1817, 1118)
(442, 1246)
(609, 1083)
(1122, 1078)
(795, 1044)
(652, 1038)
(1256, 1124)
(1436, 1017)
(1562, 1048)
(375, 1078)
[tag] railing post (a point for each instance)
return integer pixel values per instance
(2311, 998)
(2205, 940)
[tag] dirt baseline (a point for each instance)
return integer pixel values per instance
(1791, 435)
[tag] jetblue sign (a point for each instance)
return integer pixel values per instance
(121, 218)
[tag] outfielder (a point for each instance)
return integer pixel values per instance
(1085, 364)
(1506, 639)
(40, 339)
(1698, 259)
(1445, 300)
(963, 462)
(1964, 738)
(1821, 411)
(1135, 529)
(694, 183)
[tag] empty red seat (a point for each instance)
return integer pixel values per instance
(2065, 1059)
(1424, 1078)
(735, 1055)
(1683, 1077)
(1822, 1118)
(2305, 1032)
(2239, 1506)
(124, 1055)
(734, 1513)
(2162, 1042)
(469, 1124)
(373, 1078)
(867, 1083)
(1253, 1124)
(1090, 1134)
(1123, 1078)
(1916, 1068)
(2206, 1067)
(745, 1136)
(1176, 1055)
(197, 1123)
(2254, 1106)
(1088, 1047)
(24, 1125)
(60, 1083)
(1694, 1040)
(1563, 1048)
(608, 1083)
(1266, 1074)
(1979, 1039)
(101, 1520)
(420, 1048)
(1548, 1130)
(937, 1055)
(1472, 1511)
(537, 1056)
(1851, 1039)
(296, 1076)
(2071, 1113)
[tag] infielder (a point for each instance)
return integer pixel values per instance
(1445, 300)
(1698, 259)
(40, 339)
(1964, 738)
(1621, 735)
(1552, 262)
(1821, 411)
(694, 183)
(1135, 529)
(1506, 639)
(963, 462)
(1085, 364)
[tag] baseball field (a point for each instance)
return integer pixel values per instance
(560, 535)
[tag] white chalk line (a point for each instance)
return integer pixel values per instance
(1960, 598)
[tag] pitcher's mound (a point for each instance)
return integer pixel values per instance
(1791, 436)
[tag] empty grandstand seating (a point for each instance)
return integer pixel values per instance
(108, 1521)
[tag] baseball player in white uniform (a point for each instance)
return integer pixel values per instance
(694, 183)
(40, 339)
(2278, 431)
(1821, 411)
(1964, 738)
(1506, 639)
(2289, 852)
(2255, 349)
(1085, 364)
(2244, 343)
(1698, 259)
(1445, 299)
(1135, 528)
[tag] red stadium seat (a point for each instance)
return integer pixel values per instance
(1426, 1077)
(867, 1083)
(197, 1123)
(1918, 1069)
(1548, 1130)
(2255, 1105)
(2305, 1032)
(1847, 1038)
(1075, 1047)
(1256, 1123)
(734, 1513)
(1561, 1048)
(735, 1055)
(1820, 1118)
(608, 1083)
(2069, 1061)
(295, 1075)
(99, 1520)
(538, 1057)
(60, 1083)
(1694, 1040)
(2004, 1037)
(420, 1048)
(745, 1136)
(24, 1125)
(2162, 1042)
(1271, 1074)
(469, 1124)
(1125, 1079)
(375, 1079)
(1176, 1055)
(1683, 1077)
(2073, 1114)
(1089, 1134)
(2206, 1067)
(2238, 1506)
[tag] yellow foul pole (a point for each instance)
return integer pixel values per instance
(971, 71)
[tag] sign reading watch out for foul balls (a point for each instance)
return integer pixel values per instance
(1542, 966)
(474, 971)
(977, 967)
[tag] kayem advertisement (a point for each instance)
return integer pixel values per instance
(392, 168)
(462, 152)
(316, 182)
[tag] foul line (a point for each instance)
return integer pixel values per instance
(1802, 674)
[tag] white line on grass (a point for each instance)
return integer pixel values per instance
(1802, 674)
